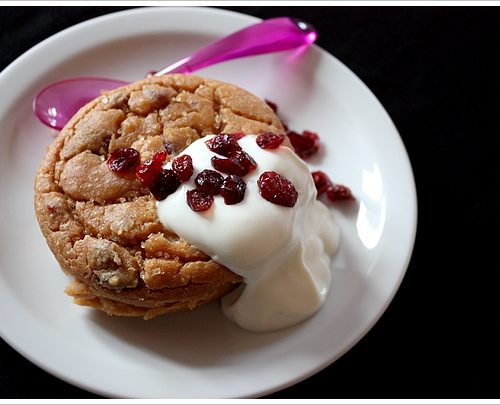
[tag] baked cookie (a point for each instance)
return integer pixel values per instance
(102, 228)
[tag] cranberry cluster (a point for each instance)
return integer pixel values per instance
(306, 146)
(235, 163)
(334, 192)
(161, 182)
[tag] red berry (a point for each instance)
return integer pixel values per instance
(233, 190)
(338, 192)
(183, 167)
(123, 161)
(223, 144)
(228, 166)
(198, 200)
(321, 181)
(209, 181)
(305, 145)
(244, 160)
(165, 183)
(273, 106)
(239, 164)
(277, 189)
(270, 140)
(147, 171)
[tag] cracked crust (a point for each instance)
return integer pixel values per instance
(103, 229)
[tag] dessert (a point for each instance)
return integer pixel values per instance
(178, 190)
(103, 227)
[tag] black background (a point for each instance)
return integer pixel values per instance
(435, 70)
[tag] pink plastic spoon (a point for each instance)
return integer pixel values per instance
(56, 103)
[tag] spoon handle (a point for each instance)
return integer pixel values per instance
(273, 35)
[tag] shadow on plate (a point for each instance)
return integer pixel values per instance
(203, 337)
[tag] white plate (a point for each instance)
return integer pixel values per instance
(201, 354)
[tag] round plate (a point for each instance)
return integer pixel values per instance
(201, 354)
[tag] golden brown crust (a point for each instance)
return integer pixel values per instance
(103, 229)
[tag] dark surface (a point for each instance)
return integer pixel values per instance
(435, 70)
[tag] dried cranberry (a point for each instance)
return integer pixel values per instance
(270, 140)
(321, 181)
(239, 164)
(305, 145)
(147, 171)
(123, 161)
(199, 200)
(228, 166)
(209, 181)
(334, 192)
(338, 192)
(273, 106)
(164, 183)
(277, 189)
(245, 160)
(233, 190)
(223, 144)
(183, 167)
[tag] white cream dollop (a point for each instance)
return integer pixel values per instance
(283, 253)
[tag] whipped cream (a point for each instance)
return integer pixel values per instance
(282, 253)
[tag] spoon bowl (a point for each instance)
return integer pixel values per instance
(56, 103)
(59, 101)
